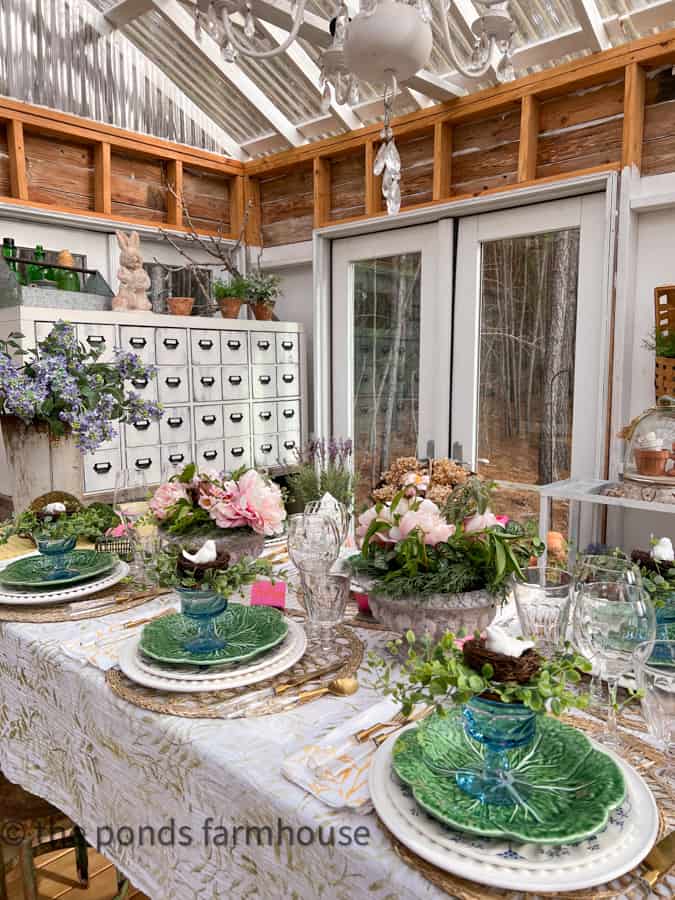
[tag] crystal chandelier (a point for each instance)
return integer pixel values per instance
(385, 43)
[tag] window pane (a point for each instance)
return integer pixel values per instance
(386, 364)
(527, 336)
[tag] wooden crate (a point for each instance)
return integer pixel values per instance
(664, 318)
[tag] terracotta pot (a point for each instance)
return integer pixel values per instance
(180, 306)
(651, 462)
(262, 311)
(229, 307)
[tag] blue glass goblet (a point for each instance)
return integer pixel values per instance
(202, 606)
(55, 550)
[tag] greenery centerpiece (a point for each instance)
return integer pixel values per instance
(324, 467)
(89, 523)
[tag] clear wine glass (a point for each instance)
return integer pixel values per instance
(130, 502)
(313, 542)
(610, 619)
(654, 665)
(335, 510)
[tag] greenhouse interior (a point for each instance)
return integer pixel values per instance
(337, 457)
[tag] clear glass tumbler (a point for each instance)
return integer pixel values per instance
(543, 601)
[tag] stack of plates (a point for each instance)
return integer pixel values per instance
(260, 643)
(24, 582)
(589, 819)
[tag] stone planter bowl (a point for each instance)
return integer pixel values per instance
(434, 614)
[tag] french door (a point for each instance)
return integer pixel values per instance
(391, 345)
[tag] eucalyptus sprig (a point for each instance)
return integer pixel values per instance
(436, 673)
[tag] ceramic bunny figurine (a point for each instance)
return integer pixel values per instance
(134, 281)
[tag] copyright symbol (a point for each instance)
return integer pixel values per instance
(12, 833)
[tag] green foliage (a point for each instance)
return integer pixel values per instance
(227, 582)
(468, 499)
(89, 523)
(263, 288)
(325, 466)
(662, 345)
(434, 674)
(238, 286)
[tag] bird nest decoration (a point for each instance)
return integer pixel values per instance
(520, 669)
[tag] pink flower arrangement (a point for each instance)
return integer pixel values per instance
(403, 517)
(165, 498)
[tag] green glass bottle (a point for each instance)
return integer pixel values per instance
(35, 272)
(67, 280)
(8, 250)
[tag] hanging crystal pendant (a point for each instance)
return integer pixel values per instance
(341, 88)
(392, 160)
(353, 97)
(249, 25)
(198, 25)
(378, 165)
(229, 53)
(325, 98)
(211, 21)
(505, 71)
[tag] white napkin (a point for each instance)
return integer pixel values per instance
(335, 769)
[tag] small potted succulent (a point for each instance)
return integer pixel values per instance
(263, 293)
(231, 294)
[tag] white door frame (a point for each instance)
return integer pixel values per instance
(322, 240)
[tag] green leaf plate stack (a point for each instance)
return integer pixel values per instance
(31, 572)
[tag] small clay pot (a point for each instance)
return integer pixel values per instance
(180, 306)
(262, 311)
(229, 307)
(651, 462)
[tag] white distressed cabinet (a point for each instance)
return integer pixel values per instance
(233, 391)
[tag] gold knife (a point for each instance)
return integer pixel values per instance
(659, 859)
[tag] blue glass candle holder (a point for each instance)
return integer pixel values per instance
(202, 606)
(55, 550)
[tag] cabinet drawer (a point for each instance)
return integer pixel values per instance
(173, 384)
(236, 419)
(289, 448)
(146, 460)
(142, 432)
(210, 455)
(233, 347)
(265, 418)
(288, 381)
(98, 337)
(100, 469)
(288, 415)
(266, 451)
(171, 346)
(264, 382)
(144, 386)
(205, 348)
(237, 453)
(174, 458)
(174, 426)
(206, 383)
(138, 340)
(263, 347)
(235, 382)
(208, 422)
(287, 348)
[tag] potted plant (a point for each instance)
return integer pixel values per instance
(230, 295)
(324, 466)
(180, 306)
(263, 292)
(429, 570)
(58, 401)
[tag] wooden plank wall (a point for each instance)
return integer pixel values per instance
(287, 206)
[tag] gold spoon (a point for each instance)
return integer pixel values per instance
(341, 687)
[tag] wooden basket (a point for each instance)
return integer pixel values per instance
(664, 318)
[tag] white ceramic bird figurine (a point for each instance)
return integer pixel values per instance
(207, 553)
(499, 641)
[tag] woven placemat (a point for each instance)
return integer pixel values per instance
(641, 756)
(346, 651)
(118, 599)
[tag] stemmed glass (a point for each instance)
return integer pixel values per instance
(334, 510)
(313, 546)
(130, 502)
(655, 675)
(610, 619)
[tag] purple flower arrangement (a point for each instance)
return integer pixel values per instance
(63, 385)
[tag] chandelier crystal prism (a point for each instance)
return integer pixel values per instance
(383, 42)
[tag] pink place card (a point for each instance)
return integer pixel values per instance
(362, 600)
(264, 593)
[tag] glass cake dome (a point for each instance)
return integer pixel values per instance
(650, 444)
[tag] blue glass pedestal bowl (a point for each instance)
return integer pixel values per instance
(56, 550)
(202, 606)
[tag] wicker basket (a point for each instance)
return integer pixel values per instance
(664, 318)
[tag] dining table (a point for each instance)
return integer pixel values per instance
(188, 808)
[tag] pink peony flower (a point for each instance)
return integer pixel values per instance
(502, 520)
(260, 503)
(415, 483)
(120, 530)
(166, 496)
(480, 523)
(384, 515)
(426, 518)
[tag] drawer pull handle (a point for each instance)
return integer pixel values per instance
(234, 379)
(144, 463)
(205, 344)
(266, 448)
(237, 451)
(102, 468)
(142, 424)
(210, 454)
(236, 417)
(141, 382)
(176, 457)
(207, 380)
(173, 381)
(265, 416)
(174, 421)
(170, 343)
(234, 345)
(264, 345)
(289, 445)
(137, 342)
(209, 420)
(95, 340)
(287, 379)
(287, 345)
(264, 379)
(288, 413)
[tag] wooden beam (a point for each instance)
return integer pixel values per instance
(321, 191)
(102, 178)
(174, 197)
(18, 178)
(529, 134)
(237, 204)
(633, 116)
(253, 212)
(442, 160)
(373, 182)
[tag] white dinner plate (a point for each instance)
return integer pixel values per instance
(629, 836)
(296, 642)
(61, 595)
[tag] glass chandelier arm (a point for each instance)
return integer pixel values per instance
(467, 71)
(243, 50)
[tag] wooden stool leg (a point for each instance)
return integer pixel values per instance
(28, 869)
(3, 884)
(81, 857)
